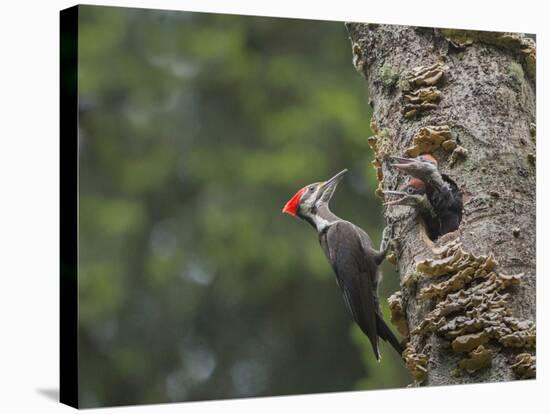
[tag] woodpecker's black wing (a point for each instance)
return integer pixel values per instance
(382, 329)
(355, 273)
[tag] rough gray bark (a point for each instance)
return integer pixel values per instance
(469, 99)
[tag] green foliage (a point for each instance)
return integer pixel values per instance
(195, 129)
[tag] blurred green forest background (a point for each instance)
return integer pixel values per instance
(194, 130)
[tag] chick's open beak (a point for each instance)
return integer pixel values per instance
(401, 194)
(402, 163)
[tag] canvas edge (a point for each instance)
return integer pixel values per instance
(68, 169)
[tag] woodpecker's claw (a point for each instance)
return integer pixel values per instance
(395, 242)
(387, 236)
(389, 230)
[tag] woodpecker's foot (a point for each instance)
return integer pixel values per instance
(395, 243)
(387, 236)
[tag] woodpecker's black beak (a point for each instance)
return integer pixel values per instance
(402, 200)
(326, 190)
(403, 164)
(414, 166)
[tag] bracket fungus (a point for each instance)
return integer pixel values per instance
(392, 258)
(525, 366)
(410, 280)
(472, 309)
(477, 359)
(425, 75)
(469, 342)
(420, 100)
(417, 363)
(459, 152)
(431, 138)
(419, 90)
(398, 317)
(381, 146)
(452, 258)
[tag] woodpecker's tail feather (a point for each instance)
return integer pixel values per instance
(376, 351)
(386, 334)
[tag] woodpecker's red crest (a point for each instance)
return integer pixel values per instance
(416, 184)
(428, 158)
(291, 207)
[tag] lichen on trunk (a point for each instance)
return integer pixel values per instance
(467, 299)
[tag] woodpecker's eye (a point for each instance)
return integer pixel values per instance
(310, 189)
(410, 190)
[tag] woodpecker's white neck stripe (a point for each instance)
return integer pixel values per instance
(322, 224)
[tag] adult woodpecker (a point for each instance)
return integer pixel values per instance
(414, 195)
(350, 252)
(443, 194)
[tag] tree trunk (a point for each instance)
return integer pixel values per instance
(467, 299)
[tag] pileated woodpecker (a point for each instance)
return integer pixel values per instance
(443, 194)
(350, 252)
(414, 195)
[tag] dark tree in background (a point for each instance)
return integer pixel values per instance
(467, 299)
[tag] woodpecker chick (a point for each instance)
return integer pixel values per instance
(410, 195)
(442, 192)
(352, 256)
(414, 195)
